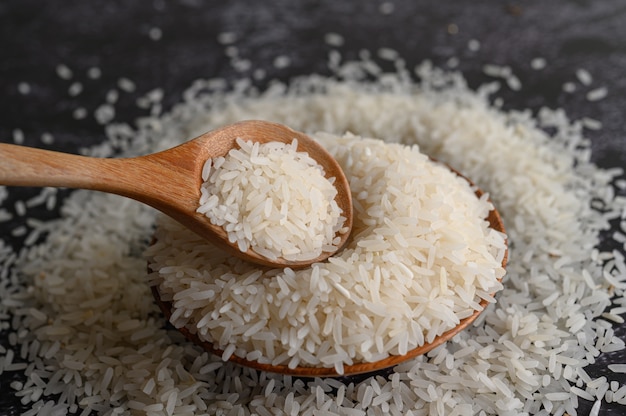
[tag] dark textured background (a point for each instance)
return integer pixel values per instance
(36, 36)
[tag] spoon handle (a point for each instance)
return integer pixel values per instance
(27, 166)
(139, 178)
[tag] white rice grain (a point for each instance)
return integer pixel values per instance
(597, 94)
(584, 76)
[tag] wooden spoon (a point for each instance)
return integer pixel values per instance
(170, 180)
(495, 222)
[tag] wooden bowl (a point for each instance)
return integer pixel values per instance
(495, 222)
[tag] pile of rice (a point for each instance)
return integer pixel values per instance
(85, 336)
(273, 199)
(422, 257)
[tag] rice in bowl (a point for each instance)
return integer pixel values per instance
(422, 258)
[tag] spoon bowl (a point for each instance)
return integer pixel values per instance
(170, 180)
(495, 222)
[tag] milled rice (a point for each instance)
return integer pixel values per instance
(272, 199)
(421, 258)
(102, 347)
